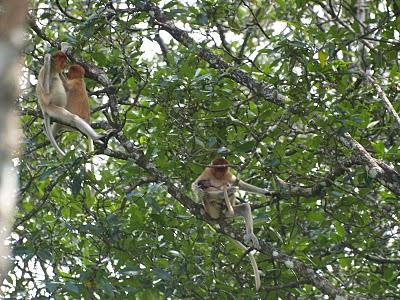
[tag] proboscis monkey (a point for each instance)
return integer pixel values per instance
(216, 188)
(77, 98)
(52, 98)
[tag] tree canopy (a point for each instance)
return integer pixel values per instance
(300, 97)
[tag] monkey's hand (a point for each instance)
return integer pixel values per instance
(203, 184)
(229, 212)
(215, 195)
(231, 190)
(251, 237)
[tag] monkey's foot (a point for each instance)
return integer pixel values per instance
(251, 237)
(104, 137)
(229, 213)
(231, 190)
(108, 134)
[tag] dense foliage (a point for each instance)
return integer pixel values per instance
(291, 92)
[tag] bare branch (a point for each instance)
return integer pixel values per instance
(384, 98)
(376, 169)
(268, 92)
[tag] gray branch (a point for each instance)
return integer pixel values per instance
(384, 98)
(261, 89)
(376, 169)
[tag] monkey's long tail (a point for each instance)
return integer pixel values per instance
(91, 149)
(49, 133)
(253, 264)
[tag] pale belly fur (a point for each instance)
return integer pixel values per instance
(58, 95)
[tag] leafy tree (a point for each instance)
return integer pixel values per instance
(301, 96)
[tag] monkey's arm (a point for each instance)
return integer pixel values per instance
(46, 73)
(199, 193)
(200, 185)
(64, 81)
(251, 188)
(228, 202)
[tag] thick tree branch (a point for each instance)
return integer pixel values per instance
(383, 260)
(268, 92)
(384, 99)
(376, 169)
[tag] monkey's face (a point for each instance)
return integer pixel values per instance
(220, 167)
(219, 173)
(59, 60)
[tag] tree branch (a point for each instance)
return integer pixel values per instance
(384, 99)
(268, 92)
(376, 169)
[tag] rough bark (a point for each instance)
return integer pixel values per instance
(376, 169)
(12, 16)
(261, 89)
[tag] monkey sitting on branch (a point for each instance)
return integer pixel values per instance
(216, 188)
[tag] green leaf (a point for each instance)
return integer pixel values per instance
(345, 262)
(170, 4)
(316, 216)
(322, 56)
(202, 19)
(372, 124)
(100, 58)
(161, 274)
(131, 82)
(71, 287)
(388, 273)
(340, 229)
(77, 183)
(52, 286)
(245, 147)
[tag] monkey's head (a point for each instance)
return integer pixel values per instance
(75, 71)
(219, 167)
(58, 61)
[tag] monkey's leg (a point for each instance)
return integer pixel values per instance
(211, 209)
(230, 212)
(57, 128)
(49, 133)
(244, 210)
(60, 113)
(219, 195)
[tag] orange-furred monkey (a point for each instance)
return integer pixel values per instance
(77, 98)
(216, 188)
